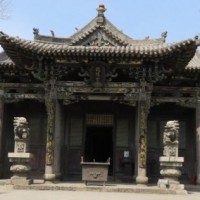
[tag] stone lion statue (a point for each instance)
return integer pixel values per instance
(171, 132)
(21, 129)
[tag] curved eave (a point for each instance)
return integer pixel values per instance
(191, 71)
(194, 63)
(7, 65)
(16, 47)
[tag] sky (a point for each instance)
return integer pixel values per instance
(136, 18)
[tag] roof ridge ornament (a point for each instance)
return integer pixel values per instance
(100, 17)
(197, 39)
(164, 36)
(35, 32)
(101, 9)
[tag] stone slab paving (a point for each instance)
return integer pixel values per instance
(89, 195)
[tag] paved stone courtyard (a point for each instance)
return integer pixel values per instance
(89, 195)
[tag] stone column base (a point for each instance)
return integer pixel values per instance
(176, 186)
(58, 176)
(49, 178)
(141, 180)
(170, 184)
(198, 179)
(16, 180)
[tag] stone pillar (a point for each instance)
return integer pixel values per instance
(198, 139)
(1, 127)
(141, 177)
(49, 175)
(58, 140)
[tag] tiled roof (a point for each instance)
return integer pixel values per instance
(14, 44)
(3, 57)
(98, 25)
(78, 47)
(5, 61)
(113, 32)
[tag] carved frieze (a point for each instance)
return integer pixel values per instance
(99, 38)
(97, 74)
(188, 102)
(47, 69)
(149, 74)
(125, 93)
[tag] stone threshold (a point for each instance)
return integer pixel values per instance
(39, 184)
(109, 187)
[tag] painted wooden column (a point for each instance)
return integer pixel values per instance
(198, 136)
(143, 107)
(58, 139)
(1, 126)
(50, 141)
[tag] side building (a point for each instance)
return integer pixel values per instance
(98, 94)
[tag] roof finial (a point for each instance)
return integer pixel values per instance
(101, 9)
(35, 31)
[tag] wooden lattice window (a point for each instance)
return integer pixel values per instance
(99, 120)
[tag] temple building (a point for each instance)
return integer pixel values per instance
(98, 94)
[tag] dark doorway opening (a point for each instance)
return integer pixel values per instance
(99, 145)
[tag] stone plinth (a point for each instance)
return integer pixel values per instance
(49, 176)
(170, 171)
(142, 179)
(20, 158)
(20, 168)
(170, 162)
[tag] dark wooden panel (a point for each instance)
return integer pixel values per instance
(122, 132)
(38, 127)
(76, 131)
(153, 165)
(124, 167)
(152, 136)
(74, 159)
(38, 161)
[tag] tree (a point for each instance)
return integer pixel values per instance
(4, 9)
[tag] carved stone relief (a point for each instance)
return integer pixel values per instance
(21, 129)
(170, 138)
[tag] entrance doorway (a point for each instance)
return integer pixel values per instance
(99, 145)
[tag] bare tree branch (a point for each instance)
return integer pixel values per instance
(4, 4)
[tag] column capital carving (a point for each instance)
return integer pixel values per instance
(197, 93)
(1, 93)
(145, 91)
